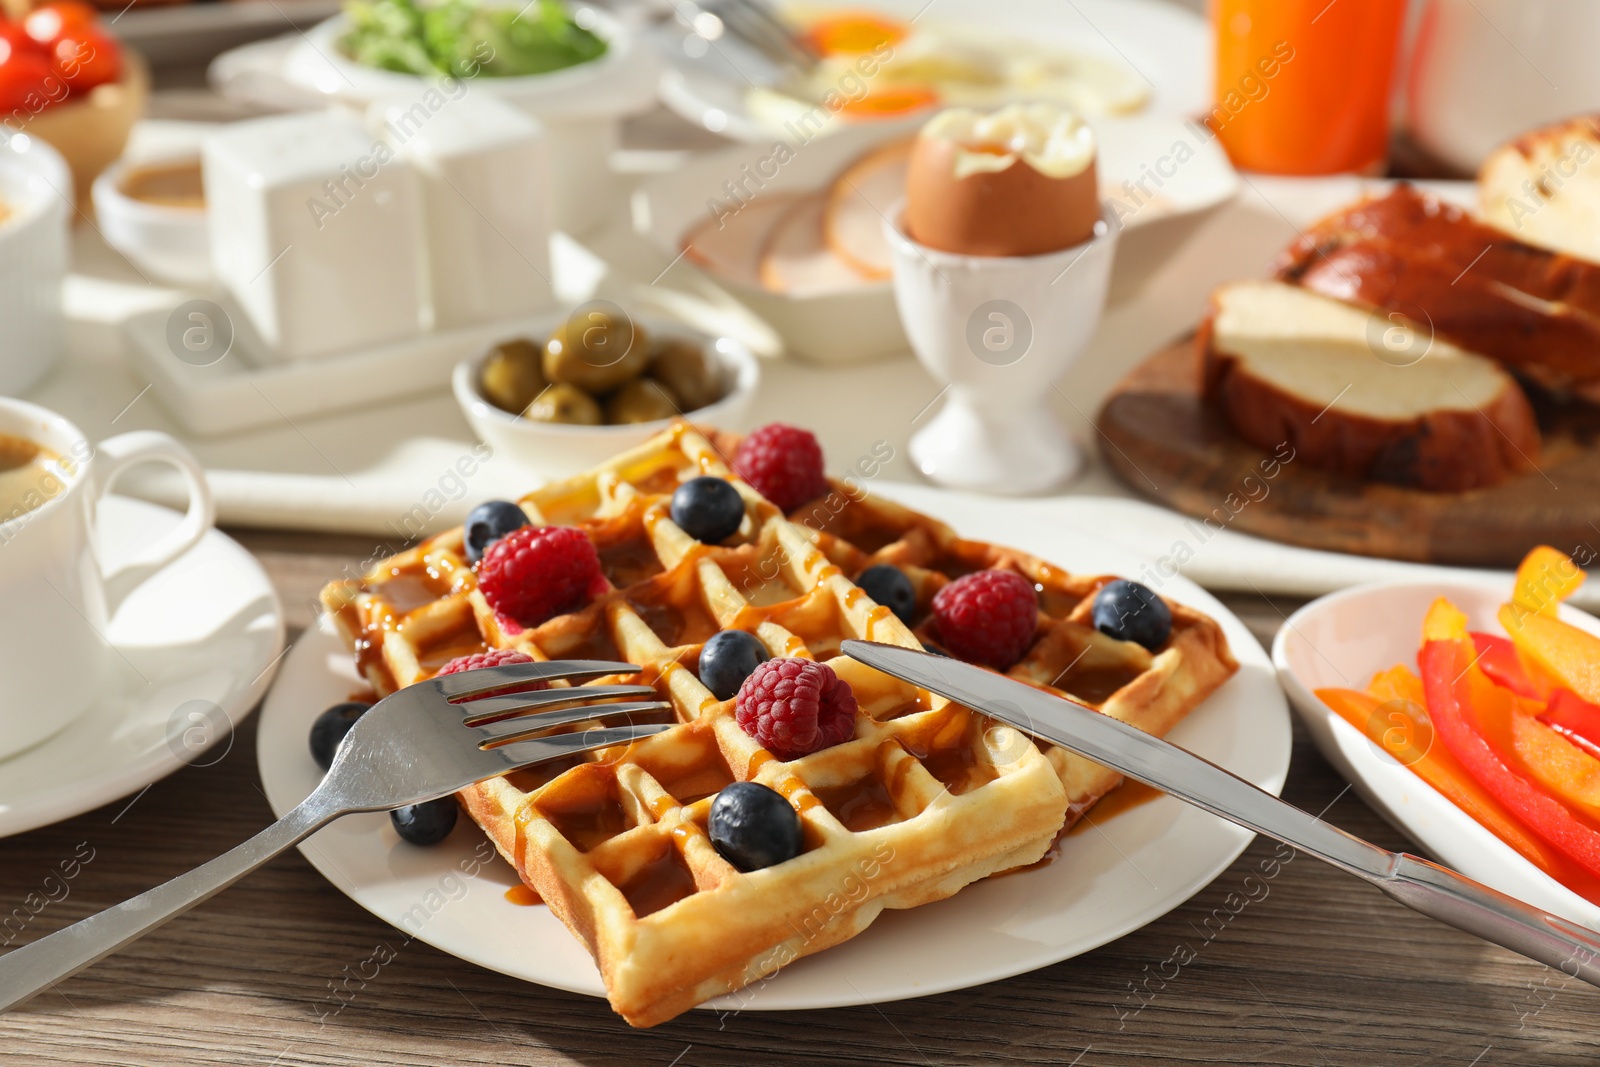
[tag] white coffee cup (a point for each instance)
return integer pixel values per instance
(55, 659)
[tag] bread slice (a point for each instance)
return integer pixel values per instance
(1536, 311)
(1544, 188)
(1364, 395)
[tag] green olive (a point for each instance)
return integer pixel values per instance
(596, 352)
(511, 375)
(564, 403)
(686, 369)
(642, 400)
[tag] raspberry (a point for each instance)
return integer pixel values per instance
(495, 657)
(538, 572)
(988, 617)
(783, 463)
(795, 707)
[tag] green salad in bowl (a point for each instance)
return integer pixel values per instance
(467, 39)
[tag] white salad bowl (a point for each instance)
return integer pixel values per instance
(580, 106)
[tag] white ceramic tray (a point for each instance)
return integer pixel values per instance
(240, 390)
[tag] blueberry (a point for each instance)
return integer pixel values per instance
(753, 826)
(890, 587)
(727, 660)
(427, 823)
(708, 509)
(1129, 611)
(330, 727)
(489, 522)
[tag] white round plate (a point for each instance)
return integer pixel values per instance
(1161, 42)
(198, 644)
(1140, 864)
(1342, 640)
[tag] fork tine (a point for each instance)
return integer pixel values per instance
(533, 724)
(468, 684)
(514, 703)
(521, 754)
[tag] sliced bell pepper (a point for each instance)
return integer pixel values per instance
(1562, 767)
(1546, 577)
(1383, 721)
(1568, 655)
(1397, 683)
(1574, 719)
(1498, 658)
(1474, 718)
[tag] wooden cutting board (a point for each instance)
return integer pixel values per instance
(1165, 443)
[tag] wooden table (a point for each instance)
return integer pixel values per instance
(1315, 968)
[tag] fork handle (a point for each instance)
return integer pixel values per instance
(35, 967)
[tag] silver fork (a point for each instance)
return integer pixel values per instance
(424, 742)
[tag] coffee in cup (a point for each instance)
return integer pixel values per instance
(31, 475)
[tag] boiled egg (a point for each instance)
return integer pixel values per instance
(1019, 181)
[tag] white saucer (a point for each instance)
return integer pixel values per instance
(1134, 867)
(199, 643)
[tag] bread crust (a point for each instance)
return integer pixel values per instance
(1535, 311)
(1440, 451)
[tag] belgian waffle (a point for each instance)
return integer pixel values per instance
(925, 799)
(1152, 691)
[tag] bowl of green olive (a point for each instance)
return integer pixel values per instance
(588, 383)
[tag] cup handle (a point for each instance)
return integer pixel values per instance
(117, 454)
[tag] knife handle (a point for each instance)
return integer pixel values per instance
(1467, 905)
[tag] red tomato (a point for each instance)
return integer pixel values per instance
(25, 77)
(48, 23)
(85, 58)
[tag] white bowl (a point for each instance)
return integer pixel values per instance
(580, 106)
(171, 243)
(553, 450)
(36, 188)
(1341, 640)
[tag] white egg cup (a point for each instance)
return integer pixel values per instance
(999, 332)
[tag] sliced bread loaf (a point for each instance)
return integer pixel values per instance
(1536, 311)
(1360, 393)
(1545, 187)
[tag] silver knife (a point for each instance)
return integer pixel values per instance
(1422, 886)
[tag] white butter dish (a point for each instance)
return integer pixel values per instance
(483, 169)
(316, 233)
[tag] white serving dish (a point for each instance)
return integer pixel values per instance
(861, 323)
(1541, 53)
(36, 187)
(579, 106)
(550, 450)
(170, 243)
(1167, 46)
(1342, 640)
(244, 390)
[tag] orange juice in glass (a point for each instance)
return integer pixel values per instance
(1302, 86)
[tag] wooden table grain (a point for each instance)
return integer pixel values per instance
(1301, 965)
